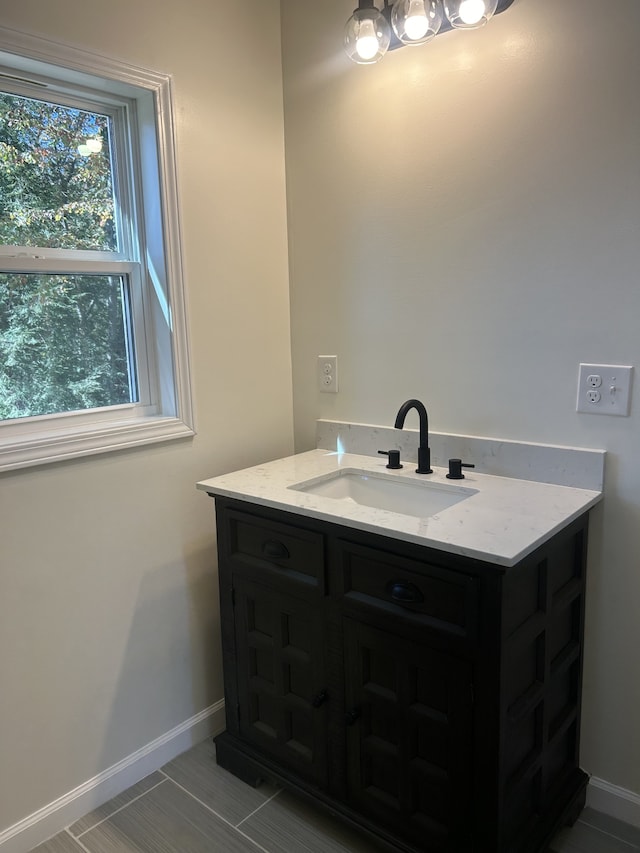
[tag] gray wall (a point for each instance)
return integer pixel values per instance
(463, 227)
(109, 633)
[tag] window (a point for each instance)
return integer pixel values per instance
(93, 348)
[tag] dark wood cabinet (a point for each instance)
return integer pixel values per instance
(431, 700)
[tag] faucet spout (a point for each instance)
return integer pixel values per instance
(424, 453)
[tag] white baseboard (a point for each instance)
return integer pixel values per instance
(53, 818)
(614, 801)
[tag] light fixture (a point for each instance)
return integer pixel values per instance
(367, 34)
(370, 31)
(469, 14)
(92, 145)
(416, 21)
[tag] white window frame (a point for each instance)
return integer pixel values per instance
(151, 255)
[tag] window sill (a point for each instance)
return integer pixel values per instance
(42, 449)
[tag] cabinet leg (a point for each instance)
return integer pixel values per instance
(229, 759)
(576, 808)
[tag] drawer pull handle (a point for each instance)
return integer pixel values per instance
(319, 699)
(352, 716)
(275, 550)
(405, 593)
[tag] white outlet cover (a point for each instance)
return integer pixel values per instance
(615, 389)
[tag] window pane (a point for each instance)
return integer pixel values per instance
(65, 343)
(56, 188)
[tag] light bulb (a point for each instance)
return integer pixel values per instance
(471, 11)
(94, 144)
(367, 34)
(416, 21)
(84, 149)
(469, 14)
(367, 41)
(416, 24)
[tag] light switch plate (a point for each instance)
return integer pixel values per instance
(328, 374)
(604, 389)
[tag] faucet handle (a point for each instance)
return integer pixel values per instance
(394, 458)
(455, 469)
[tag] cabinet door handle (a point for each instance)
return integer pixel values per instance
(352, 716)
(405, 593)
(319, 699)
(275, 550)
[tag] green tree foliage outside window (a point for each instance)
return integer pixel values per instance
(65, 339)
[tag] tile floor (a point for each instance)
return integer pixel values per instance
(192, 806)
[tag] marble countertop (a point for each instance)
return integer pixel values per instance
(502, 521)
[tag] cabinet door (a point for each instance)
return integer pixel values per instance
(409, 718)
(281, 677)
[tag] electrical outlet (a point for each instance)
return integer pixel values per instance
(604, 389)
(328, 374)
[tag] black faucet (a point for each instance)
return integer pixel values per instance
(424, 454)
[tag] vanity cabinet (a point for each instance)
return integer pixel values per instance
(431, 700)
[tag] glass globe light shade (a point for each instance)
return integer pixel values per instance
(366, 35)
(94, 144)
(416, 21)
(469, 14)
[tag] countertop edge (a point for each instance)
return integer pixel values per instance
(511, 541)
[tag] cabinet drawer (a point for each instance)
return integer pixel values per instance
(419, 594)
(291, 553)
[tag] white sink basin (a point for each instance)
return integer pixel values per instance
(383, 491)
